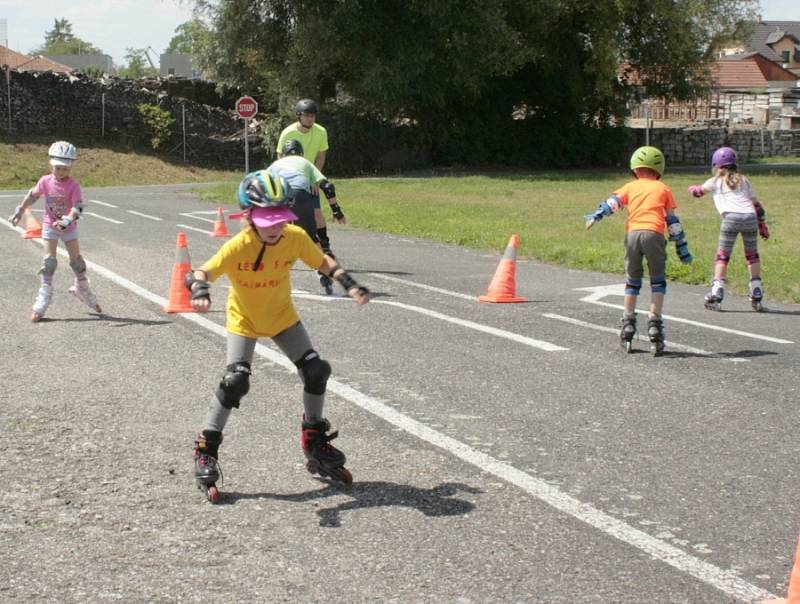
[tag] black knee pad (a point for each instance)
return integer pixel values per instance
(314, 371)
(234, 385)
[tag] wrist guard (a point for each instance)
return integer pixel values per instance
(199, 289)
(327, 188)
(337, 211)
(347, 282)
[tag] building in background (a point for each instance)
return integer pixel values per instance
(178, 65)
(17, 61)
(77, 62)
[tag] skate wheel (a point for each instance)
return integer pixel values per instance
(312, 467)
(758, 307)
(628, 347)
(213, 494)
(35, 318)
(344, 476)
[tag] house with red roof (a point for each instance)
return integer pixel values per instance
(15, 61)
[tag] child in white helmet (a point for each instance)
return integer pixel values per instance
(63, 206)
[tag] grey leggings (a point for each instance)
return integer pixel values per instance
(293, 342)
(733, 224)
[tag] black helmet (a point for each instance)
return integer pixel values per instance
(305, 106)
(293, 147)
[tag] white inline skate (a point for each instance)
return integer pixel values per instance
(84, 293)
(43, 299)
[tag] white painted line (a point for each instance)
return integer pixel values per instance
(192, 215)
(20, 195)
(191, 228)
(103, 218)
(144, 215)
(640, 338)
(610, 290)
(103, 203)
(424, 286)
(501, 333)
(727, 581)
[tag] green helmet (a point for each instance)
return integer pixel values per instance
(648, 157)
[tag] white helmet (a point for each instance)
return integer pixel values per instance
(62, 153)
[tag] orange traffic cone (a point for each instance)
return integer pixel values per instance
(220, 230)
(794, 583)
(180, 299)
(504, 283)
(33, 228)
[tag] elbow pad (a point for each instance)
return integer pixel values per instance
(328, 189)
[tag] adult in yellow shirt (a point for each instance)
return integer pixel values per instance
(257, 262)
(651, 211)
(314, 140)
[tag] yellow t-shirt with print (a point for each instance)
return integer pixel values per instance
(260, 300)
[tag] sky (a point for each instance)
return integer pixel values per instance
(111, 25)
(114, 25)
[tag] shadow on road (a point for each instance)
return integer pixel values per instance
(681, 354)
(438, 501)
(103, 318)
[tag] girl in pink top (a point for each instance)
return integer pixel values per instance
(63, 206)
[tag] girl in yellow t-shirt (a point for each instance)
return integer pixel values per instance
(257, 262)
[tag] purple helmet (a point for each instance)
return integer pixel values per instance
(724, 157)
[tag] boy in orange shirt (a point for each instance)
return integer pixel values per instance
(651, 208)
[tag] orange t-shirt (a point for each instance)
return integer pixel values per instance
(647, 201)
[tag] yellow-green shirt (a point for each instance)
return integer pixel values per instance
(314, 141)
(260, 301)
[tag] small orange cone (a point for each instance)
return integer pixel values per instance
(180, 299)
(220, 230)
(794, 583)
(33, 228)
(504, 283)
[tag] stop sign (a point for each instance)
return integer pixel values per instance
(246, 107)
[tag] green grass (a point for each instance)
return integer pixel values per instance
(482, 211)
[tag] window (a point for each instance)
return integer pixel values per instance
(786, 56)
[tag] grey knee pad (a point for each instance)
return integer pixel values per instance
(49, 265)
(314, 371)
(78, 265)
(234, 385)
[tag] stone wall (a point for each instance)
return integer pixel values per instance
(59, 105)
(694, 145)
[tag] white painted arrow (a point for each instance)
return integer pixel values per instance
(597, 293)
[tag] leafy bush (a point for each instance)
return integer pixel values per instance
(158, 122)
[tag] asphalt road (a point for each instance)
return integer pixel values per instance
(501, 453)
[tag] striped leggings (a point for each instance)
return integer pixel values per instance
(732, 225)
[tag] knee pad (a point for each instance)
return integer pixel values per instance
(234, 385)
(658, 285)
(49, 265)
(722, 257)
(751, 257)
(314, 371)
(78, 265)
(632, 286)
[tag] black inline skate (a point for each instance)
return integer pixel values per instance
(627, 332)
(756, 294)
(207, 470)
(655, 331)
(322, 457)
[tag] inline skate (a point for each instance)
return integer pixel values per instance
(207, 470)
(655, 331)
(43, 299)
(713, 299)
(322, 457)
(84, 293)
(627, 332)
(756, 294)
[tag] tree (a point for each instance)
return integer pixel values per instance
(138, 64)
(61, 41)
(189, 37)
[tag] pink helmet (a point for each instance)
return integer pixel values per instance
(724, 157)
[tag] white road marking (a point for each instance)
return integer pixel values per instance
(192, 215)
(727, 581)
(424, 286)
(103, 218)
(144, 215)
(191, 228)
(501, 333)
(619, 290)
(20, 195)
(103, 203)
(640, 338)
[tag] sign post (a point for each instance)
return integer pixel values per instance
(246, 108)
